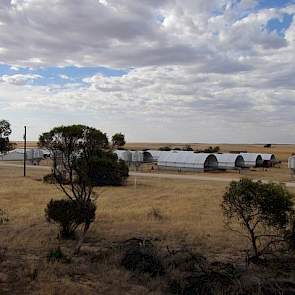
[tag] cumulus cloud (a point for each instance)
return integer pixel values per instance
(187, 61)
(19, 79)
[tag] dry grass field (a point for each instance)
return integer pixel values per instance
(190, 215)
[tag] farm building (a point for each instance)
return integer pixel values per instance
(252, 159)
(137, 156)
(230, 161)
(147, 157)
(291, 164)
(156, 154)
(124, 155)
(187, 161)
(33, 155)
(268, 160)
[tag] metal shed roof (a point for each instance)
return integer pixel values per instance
(268, 157)
(156, 154)
(230, 161)
(124, 155)
(251, 159)
(183, 159)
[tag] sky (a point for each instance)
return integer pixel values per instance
(216, 71)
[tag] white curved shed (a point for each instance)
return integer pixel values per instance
(252, 159)
(137, 156)
(156, 154)
(18, 155)
(268, 157)
(230, 161)
(124, 155)
(187, 161)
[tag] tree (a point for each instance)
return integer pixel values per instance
(74, 149)
(118, 140)
(5, 131)
(263, 210)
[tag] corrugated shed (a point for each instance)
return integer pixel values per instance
(124, 155)
(156, 154)
(230, 161)
(252, 159)
(187, 160)
(268, 157)
(137, 156)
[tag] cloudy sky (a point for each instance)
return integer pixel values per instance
(156, 70)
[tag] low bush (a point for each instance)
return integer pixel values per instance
(69, 215)
(3, 216)
(53, 179)
(141, 256)
(57, 255)
(108, 170)
(165, 148)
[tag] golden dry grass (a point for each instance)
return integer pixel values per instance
(190, 213)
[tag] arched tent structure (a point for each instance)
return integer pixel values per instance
(137, 156)
(147, 157)
(230, 161)
(268, 160)
(155, 154)
(252, 159)
(33, 155)
(187, 161)
(124, 155)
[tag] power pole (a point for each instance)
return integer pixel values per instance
(25, 150)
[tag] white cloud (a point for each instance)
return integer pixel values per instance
(19, 79)
(209, 64)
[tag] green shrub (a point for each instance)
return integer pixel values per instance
(3, 216)
(69, 215)
(57, 255)
(263, 210)
(106, 169)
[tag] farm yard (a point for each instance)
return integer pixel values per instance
(173, 213)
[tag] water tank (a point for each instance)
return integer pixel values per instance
(291, 164)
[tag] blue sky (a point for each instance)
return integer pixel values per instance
(61, 75)
(150, 70)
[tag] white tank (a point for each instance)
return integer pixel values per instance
(291, 163)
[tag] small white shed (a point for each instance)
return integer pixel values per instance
(124, 155)
(187, 161)
(230, 161)
(252, 159)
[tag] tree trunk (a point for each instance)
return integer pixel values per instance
(81, 240)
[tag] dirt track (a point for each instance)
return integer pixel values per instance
(154, 174)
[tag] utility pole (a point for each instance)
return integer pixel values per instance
(25, 150)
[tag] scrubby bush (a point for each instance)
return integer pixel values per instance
(211, 149)
(263, 210)
(141, 256)
(187, 148)
(106, 169)
(3, 216)
(69, 215)
(165, 148)
(57, 255)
